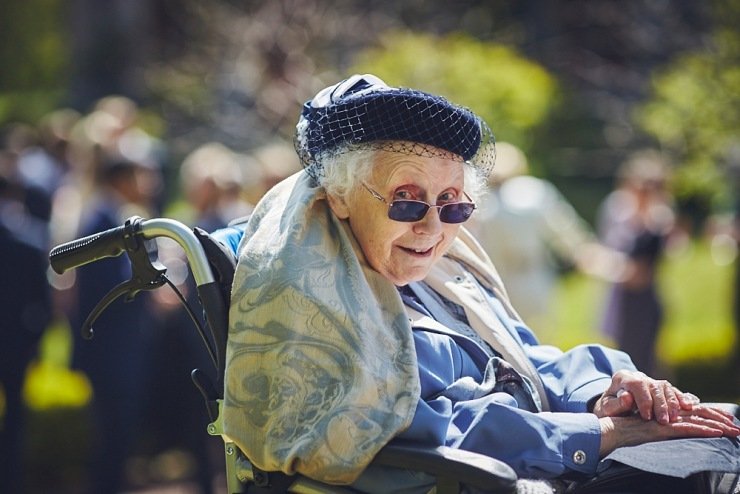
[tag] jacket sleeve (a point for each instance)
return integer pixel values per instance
(570, 378)
(574, 377)
(543, 445)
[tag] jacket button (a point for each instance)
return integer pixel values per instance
(579, 457)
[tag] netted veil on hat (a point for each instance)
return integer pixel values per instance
(364, 110)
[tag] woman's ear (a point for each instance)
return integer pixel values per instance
(338, 206)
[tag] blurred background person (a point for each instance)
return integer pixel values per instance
(25, 312)
(117, 360)
(637, 219)
(530, 230)
(211, 179)
(28, 214)
(46, 163)
(111, 129)
(276, 161)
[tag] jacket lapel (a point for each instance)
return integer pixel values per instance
(449, 279)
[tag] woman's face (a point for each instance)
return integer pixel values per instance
(403, 251)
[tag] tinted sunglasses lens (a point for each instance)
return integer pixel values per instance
(457, 212)
(407, 210)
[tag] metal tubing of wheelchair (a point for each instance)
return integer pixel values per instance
(184, 236)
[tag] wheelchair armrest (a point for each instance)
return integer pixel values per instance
(448, 465)
(472, 469)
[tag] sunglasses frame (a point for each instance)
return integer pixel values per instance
(379, 197)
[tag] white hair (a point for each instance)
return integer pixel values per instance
(343, 170)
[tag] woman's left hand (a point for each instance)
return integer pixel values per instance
(632, 392)
(701, 421)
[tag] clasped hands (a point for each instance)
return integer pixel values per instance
(636, 409)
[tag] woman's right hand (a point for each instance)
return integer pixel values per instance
(701, 421)
(635, 392)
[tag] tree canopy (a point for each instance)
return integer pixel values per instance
(559, 79)
(510, 92)
(694, 112)
(33, 57)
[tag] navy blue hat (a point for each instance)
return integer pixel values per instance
(363, 109)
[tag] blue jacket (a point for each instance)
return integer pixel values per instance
(537, 445)
(542, 445)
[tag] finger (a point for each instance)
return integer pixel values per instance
(643, 399)
(687, 400)
(714, 414)
(710, 418)
(615, 385)
(674, 405)
(692, 429)
(615, 405)
(626, 400)
(727, 414)
(707, 422)
(660, 402)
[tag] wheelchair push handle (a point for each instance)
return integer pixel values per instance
(75, 253)
(120, 239)
(136, 238)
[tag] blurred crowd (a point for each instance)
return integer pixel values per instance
(75, 174)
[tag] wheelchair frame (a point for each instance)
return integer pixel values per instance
(451, 468)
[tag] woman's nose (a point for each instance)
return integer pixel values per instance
(430, 223)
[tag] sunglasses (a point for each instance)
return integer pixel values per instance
(409, 211)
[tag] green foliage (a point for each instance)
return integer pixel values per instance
(34, 56)
(694, 111)
(512, 94)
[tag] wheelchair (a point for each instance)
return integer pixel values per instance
(212, 262)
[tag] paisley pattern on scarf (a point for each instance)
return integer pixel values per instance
(320, 365)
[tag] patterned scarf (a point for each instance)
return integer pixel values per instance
(320, 365)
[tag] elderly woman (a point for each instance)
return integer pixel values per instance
(362, 310)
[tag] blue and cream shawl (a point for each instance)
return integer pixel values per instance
(320, 365)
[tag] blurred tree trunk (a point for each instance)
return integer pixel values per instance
(111, 42)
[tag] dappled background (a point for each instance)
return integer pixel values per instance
(577, 85)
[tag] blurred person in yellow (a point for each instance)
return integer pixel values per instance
(118, 359)
(527, 227)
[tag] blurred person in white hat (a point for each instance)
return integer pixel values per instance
(543, 231)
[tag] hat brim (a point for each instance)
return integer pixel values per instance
(395, 115)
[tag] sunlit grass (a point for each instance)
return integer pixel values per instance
(698, 292)
(697, 289)
(578, 306)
